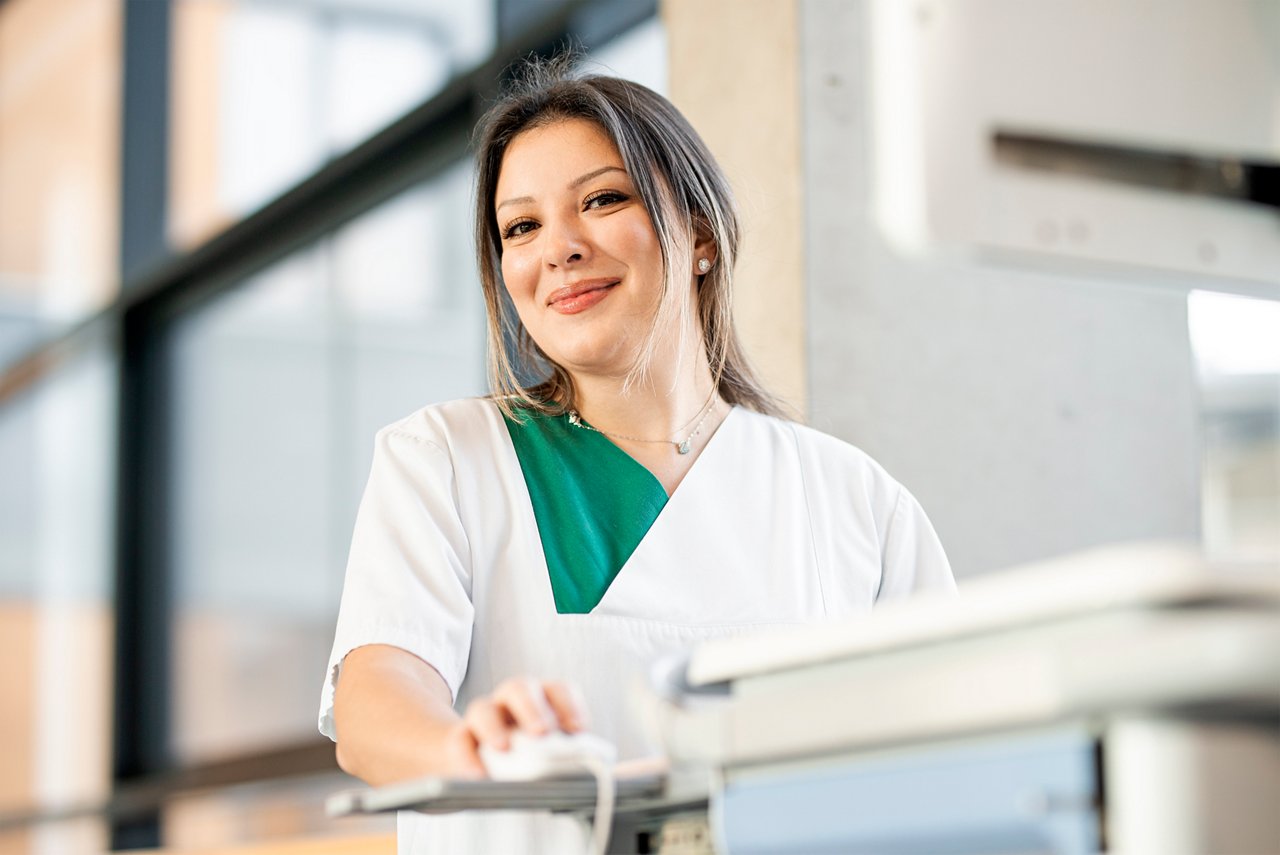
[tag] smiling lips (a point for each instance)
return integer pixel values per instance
(580, 296)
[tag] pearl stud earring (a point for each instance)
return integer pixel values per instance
(703, 265)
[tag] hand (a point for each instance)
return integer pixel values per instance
(525, 704)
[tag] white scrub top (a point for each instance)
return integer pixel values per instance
(775, 524)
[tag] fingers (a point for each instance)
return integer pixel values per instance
(488, 723)
(526, 702)
(567, 703)
(528, 705)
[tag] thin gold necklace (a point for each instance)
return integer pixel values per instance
(682, 445)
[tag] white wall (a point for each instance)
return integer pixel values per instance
(1031, 412)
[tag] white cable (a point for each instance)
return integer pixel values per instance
(715, 813)
(602, 823)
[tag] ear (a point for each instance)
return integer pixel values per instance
(704, 247)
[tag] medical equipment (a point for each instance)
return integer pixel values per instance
(1124, 700)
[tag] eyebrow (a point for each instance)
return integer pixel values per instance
(575, 183)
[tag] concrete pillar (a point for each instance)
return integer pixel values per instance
(734, 72)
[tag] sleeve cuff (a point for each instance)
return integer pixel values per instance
(447, 662)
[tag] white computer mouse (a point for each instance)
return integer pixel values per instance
(555, 755)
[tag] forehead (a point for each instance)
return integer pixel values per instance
(554, 153)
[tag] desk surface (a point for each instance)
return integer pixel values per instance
(446, 795)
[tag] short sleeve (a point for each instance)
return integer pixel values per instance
(408, 576)
(912, 557)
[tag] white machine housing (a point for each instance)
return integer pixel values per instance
(1171, 78)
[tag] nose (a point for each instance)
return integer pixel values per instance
(564, 246)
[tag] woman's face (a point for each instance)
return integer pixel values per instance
(580, 257)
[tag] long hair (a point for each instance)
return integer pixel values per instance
(684, 193)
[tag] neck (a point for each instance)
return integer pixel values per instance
(665, 406)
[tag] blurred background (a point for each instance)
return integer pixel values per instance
(1026, 255)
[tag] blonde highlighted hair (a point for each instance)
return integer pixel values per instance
(685, 194)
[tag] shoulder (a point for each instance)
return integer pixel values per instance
(835, 451)
(829, 464)
(457, 439)
(858, 509)
(445, 425)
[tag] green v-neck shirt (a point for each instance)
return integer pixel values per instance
(593, 503)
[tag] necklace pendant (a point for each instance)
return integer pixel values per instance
(683, 447)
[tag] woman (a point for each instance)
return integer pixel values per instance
(523, 557)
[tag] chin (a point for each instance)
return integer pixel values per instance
(595, 357)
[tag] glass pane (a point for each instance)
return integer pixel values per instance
(639, 54)
(59, 165)
(1237, 346)
(278, 390)
(252, 441)
(264, 93)
(56, 514)
(82, 836)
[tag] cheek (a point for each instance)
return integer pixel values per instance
(636, 241)
(518, 274)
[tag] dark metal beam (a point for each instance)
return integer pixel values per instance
(140, 723)
(144, 177)
(143, 580)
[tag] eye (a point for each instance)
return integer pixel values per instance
(603, 198)
(517, 228)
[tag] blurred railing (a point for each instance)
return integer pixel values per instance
(380, 844)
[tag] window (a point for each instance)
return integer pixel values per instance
(56, 516)
(1236, 341)
(267, 91)
(278, 389)
(59, 165)
(244, 423)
